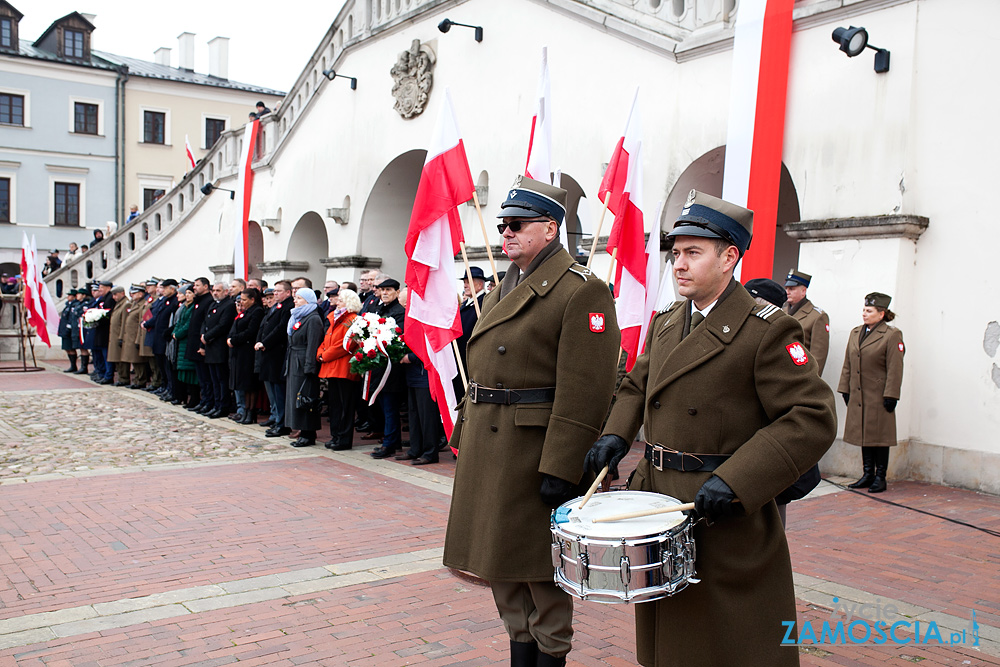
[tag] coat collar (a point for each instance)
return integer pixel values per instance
(880, 330)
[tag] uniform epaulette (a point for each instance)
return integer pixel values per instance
(671, 306)
(766, 312)
(581, 271)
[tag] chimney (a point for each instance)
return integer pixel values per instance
(91, 19)
(218, 57)
(162, 56)
(185, 50)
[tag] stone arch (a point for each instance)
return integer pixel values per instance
(308, 243)
(386, 215)
(255, 244)
(705, 175)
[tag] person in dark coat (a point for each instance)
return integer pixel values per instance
(87, 335)
(163, 311)
(103, 330)
(67, 329)
(305, 333)
(214, 331)
(195, 351)
(426, 429)
(270, 350)
(391, 396)
(242, 337)
(469, 315)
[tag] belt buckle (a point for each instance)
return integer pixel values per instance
(657, 459)
(474, 396)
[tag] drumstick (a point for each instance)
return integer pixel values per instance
(642, 513)
(593, 487)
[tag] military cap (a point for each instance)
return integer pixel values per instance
(878, 300)
(94, 285)
(388, 282)
(334, 292)
(169, 282)
(106, 283)
(152, 281)
(137, 288)
(768, 290)
(797, 278)
(528, 198)
(710, 217)
(476, 273)
(269, 291)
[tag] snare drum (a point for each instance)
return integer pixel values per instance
(632, 560)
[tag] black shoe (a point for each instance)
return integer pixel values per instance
(405, 456)
(248, 419)
(136, 386)
(205, 409)
(216, 414)
(277, 432)
(422, 461)
(236, 417)
(71, 369)
(82, 371)
(303, 442)
(175, 401)
(121, 384)
(268, 424)
(341, 447)
(382, 453)
(363, 427)
(167, 397)
(105, 381)
(195, 408)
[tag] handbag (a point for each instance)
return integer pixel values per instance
(307, 397)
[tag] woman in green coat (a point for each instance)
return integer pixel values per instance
(187, 378)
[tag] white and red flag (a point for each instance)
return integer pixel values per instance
(38, 301)
(757, 123)
(244, 187)
(189, 152)
(623, 180)
(432, 241)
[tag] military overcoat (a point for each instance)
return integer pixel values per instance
(131, 332)
(873, 371)
(815, 331)
(557, 328)
(145, 314)
(117, 330)
(739, 385)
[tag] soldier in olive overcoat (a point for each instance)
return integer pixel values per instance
(117, 328)
(130, 332)
(734, 412)
(870, 382)
(542, 370)
(815, 323)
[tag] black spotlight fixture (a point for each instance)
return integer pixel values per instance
(855, 40)
(332, 74)
(208, 188)
(445, 26)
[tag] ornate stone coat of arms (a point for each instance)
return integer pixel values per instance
(413, 78)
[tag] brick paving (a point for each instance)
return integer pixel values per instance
(90, 527)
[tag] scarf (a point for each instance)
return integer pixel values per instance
(514, 277)
(299, 313)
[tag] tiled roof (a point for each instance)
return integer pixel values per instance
(137, 67)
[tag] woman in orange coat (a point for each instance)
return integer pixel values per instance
(342, 384)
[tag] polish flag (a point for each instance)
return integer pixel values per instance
(432, 241)
(244, 187)
(37, 299)
(651, 305)
(757, 123)
(190, 154)
(623, 180)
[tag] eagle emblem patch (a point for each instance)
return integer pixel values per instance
(597, 322)
(900, 347)
(797, 353)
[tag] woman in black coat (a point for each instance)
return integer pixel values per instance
(242, 337)
(305, 333)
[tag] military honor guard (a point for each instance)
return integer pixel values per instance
(733, 411)
(541, 363)
(815, 323)
(870, 384)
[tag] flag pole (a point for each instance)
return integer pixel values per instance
(468, 275)
(489, 251)
(611, 269)
(461, 368)
(600, 223)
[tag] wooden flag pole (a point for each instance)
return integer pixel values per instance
(600, 224)
(461, 368)
(468, 275)
(611, 269)
(489, 251)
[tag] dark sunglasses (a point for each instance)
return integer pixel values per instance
(516, 224)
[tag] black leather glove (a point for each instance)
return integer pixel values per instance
(715, 500)
(847, 398)
(890, 404)
(609, 450)
(555, 491)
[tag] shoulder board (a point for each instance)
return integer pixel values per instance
(817, 309)
(766, 312)
(581, 271)
(671, 306)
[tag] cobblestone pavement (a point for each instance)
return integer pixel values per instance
(134, 533)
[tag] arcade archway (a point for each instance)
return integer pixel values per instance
(308, 244)
(386, 216)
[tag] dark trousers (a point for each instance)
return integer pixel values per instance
(276, 395)
(342, 395)
(389, 402)
(100, 355)
(204, 383)
(165, 371)
(141, 373)
(219, 377)
(426, 429)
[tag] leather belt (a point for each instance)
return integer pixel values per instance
(662, 458)
(480, 394)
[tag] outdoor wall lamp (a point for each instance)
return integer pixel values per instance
(855, 40)
(331, 75)
(208, 188)
(445, 26)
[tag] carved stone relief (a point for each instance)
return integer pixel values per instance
(413, 77)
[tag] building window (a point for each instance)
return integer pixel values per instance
(150, 197)
(11, 109)
(67, 204)
(6, 33)
(152, 126)
(4, 200)
(214, 127)
(85, 118)
(73, 44)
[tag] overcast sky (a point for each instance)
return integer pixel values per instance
(269, 43)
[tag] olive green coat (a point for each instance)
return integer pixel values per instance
(116, 330)
(731, 387)
(133, 313)
(815, 331)
(872, 371)
(539, 335)
(145, 351)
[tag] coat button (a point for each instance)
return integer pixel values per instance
(502, 350)
(499, 385)
(656, 404)
(692, 411)
(494, 428)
